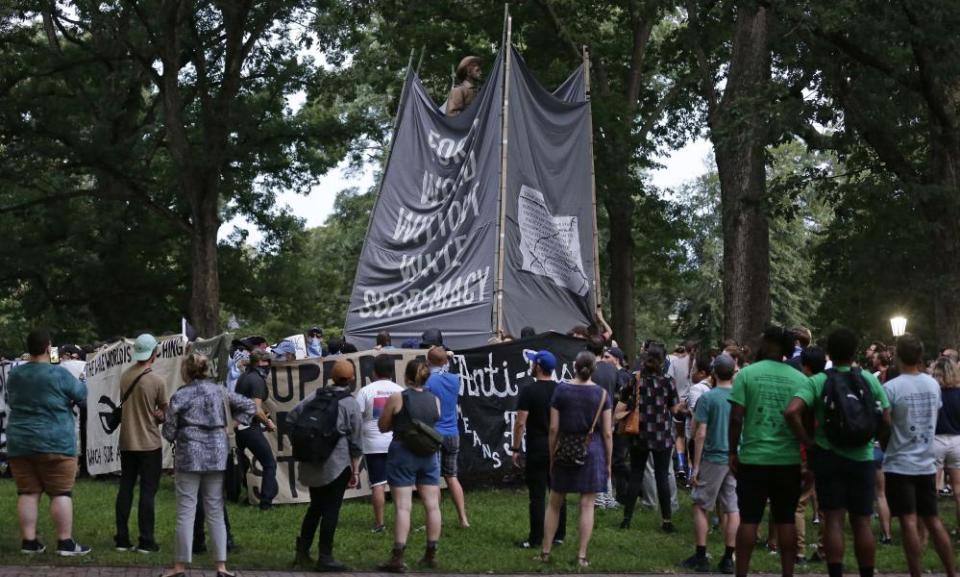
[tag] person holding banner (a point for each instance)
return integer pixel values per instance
(410, 415)
(196, 421)
(253, 385)
(328, 475)
(42, 443)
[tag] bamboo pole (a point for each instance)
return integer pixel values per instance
(504, 125)
(597, 294)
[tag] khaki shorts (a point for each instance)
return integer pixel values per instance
(946, 451)
(44, 473)
(717, 483)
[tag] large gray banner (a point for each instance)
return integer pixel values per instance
(428, 259)
(549, 256)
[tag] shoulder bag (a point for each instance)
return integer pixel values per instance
(572, 449)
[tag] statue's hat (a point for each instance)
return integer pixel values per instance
(467, 61)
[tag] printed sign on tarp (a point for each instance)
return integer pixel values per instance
(104, 370)
(548, 248)
(428, 258)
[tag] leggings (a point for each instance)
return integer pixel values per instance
(324, 510)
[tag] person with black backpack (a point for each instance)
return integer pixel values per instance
(326, 432)
(850, 409)
(412, 461)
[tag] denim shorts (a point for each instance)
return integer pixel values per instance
(406, 469)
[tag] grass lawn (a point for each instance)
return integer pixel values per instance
(499, 517)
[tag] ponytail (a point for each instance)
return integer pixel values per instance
(584, 364)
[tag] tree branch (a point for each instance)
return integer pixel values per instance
(642, 28)
(707, 89)
(562, 33)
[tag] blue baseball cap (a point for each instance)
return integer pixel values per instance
(545, 359)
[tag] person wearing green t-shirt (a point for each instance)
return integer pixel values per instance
(764, 454)
(844, 476)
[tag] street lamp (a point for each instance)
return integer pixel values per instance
(898, 325)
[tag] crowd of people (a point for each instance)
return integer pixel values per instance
(793, 426)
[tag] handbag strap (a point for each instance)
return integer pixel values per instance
(603, 401)
(126, 395)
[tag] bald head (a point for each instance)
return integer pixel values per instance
(437, 356)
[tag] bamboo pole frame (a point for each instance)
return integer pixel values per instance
(504, 126)
(597, 294)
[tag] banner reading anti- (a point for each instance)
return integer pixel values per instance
(490, 380)
(104, 370)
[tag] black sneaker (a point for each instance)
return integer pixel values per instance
(696, 564)
(667, 527)
(146, 548)
(727, 566)
(34, 547)
(123, 544)
(523, 544)
(379, 529)
(558, 541)
(70, 548)
(886, 540)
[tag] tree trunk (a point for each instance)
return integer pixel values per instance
(205, 285)
(739, 136)
(942, 209)
(621, 280)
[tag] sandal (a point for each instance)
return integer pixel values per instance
(543, 557)
(582, 563)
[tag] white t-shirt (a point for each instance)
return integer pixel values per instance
(372, 399)
(914, 404)
(693, 395)
(681, 369)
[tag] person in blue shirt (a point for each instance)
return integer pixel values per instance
(446, 387)
(42, 443)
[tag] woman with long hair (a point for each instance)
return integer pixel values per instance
(580, 414)
(196, 422)
(407, 469)
(655, 396)
(946, 442)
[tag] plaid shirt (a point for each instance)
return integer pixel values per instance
(657, 395)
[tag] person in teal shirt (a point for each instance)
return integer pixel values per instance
(844, 476)
(42, 443)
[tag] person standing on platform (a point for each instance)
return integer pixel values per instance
(446, 387)
(468, 85)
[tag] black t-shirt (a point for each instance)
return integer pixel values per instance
(535, 399)
(252, 385)
(607, 376)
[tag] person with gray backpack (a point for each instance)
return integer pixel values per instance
(412, 461)
(851, 410)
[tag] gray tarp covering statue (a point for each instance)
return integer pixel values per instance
(430, 256)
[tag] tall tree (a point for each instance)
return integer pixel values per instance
(177, 105)
(895, 77)
(738, 117)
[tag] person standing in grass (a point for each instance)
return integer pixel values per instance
(533, 416)
(42, 443)
(766, 460)
(196, 422)
(329, 476)
(909, 463)
(655, 396)
(581, 411)
(373, 399)
(408, 467)
(141, 447)
(712, 480)
(842, 459)
(446, 386)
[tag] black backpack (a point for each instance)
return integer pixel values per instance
(315, 433)
(851, 413)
